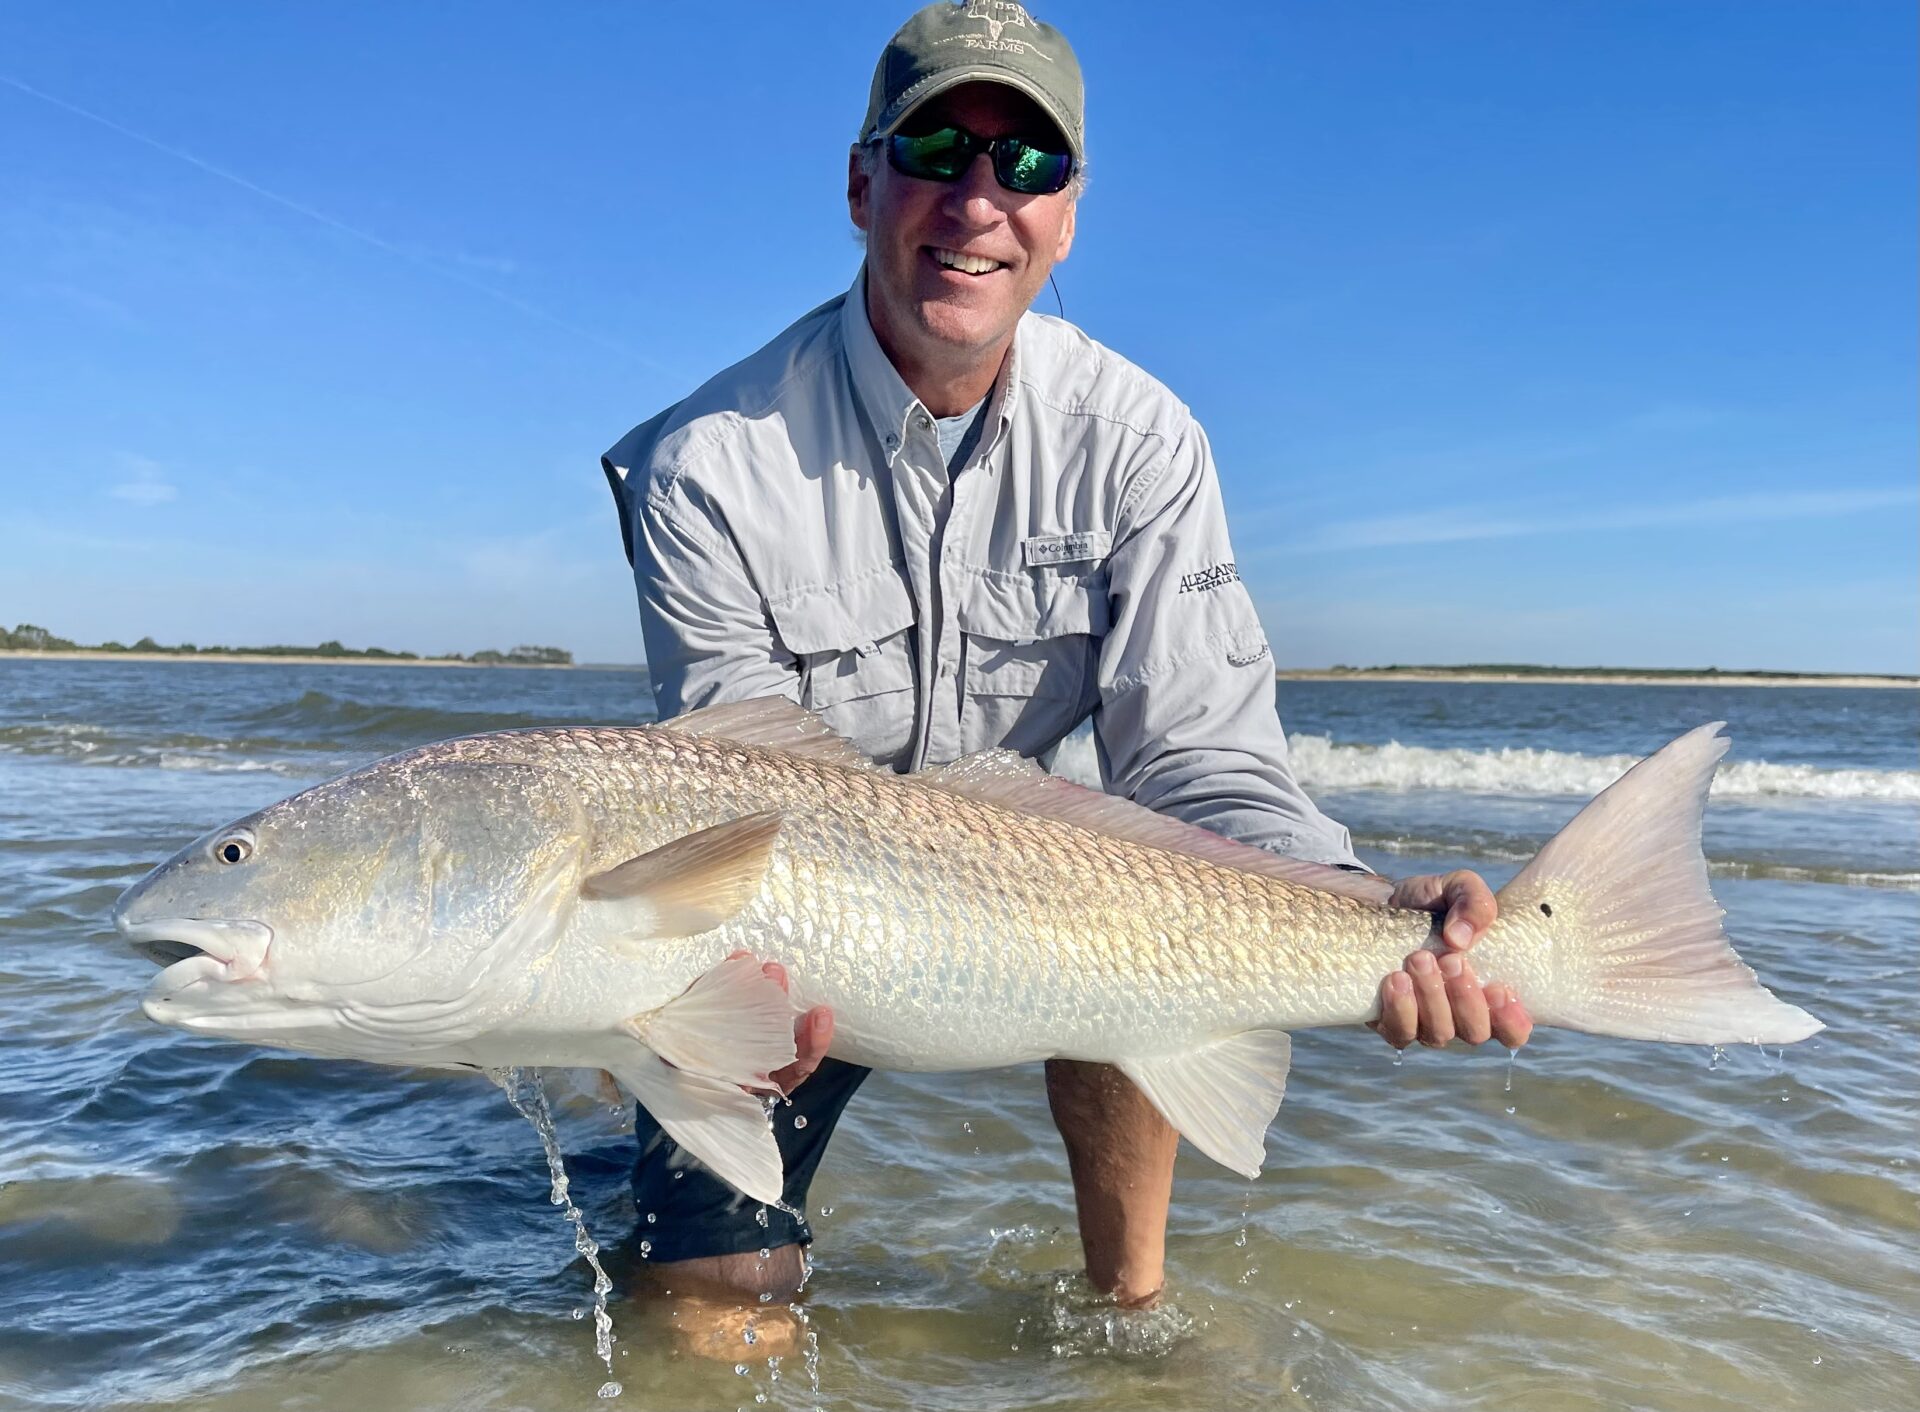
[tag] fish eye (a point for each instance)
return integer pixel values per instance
(234, 848)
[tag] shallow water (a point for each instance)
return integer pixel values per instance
(188, 1223)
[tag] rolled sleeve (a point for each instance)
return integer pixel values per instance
(1187, 724)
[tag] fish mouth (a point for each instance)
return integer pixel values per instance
(200, 948)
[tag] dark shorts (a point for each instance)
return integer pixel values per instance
(695, 1213)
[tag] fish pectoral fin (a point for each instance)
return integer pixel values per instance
(731, 1024)
(726, 1129)
(1222, 1097)
(696, 882)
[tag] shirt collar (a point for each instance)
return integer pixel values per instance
(883, 394)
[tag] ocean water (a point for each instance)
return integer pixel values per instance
(190, 1223)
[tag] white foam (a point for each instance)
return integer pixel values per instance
(1322, 766)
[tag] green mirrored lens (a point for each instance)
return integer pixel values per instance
(1025, 168)
(940, 155)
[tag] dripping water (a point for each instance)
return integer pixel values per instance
(523, 1090)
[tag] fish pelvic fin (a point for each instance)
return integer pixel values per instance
(732, 1027)
(695, 883)
(1635, 938)
(1221, 1097)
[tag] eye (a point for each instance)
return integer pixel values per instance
(234, 848)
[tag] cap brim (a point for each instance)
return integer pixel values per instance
(984, 73)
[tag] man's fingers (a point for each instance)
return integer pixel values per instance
(1467, 999)
(1430, 989)
(812, 1037)
(1470, 908)
(1512, 1025)
(1399, 1015)
(1421, 893)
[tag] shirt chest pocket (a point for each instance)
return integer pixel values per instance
(853, 644)
(1030, 644)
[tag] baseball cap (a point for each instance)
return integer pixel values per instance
(952, 42)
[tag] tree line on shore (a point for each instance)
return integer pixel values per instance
(29, 637)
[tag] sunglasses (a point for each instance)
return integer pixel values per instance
(945, 154)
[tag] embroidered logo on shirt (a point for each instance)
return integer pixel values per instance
(1044, 549)
(1212, 577)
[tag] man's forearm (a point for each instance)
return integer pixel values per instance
(1120, 1151)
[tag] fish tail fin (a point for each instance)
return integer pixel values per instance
(1636, 945)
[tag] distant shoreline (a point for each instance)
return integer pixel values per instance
(1547, 675)
(1572, 676)
(82, 654)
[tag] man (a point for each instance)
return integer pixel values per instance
(947, 524)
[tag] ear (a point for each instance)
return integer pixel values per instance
(1066, 234)
(859, 187)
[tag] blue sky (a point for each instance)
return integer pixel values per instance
(1576, 332)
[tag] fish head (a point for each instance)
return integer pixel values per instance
(364, 916)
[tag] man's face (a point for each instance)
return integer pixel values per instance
(925, 310)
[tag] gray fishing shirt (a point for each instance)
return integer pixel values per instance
(795, 530)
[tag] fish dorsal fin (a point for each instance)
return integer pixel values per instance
(774, 723)
(695, 883)
(1002, 778)
(1221, 1098)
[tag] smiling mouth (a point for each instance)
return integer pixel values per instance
(964, 264)
(213, 949)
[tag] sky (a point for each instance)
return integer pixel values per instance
(1573, 333)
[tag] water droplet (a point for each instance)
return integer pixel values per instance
(1241, 1239)
(678, 1175)
(966, 1127)
(740, 1368)
(765, 1252)
(1399, 1057)
(799, 1120)
(646, 1249)
(761, 1215)
(579, 1313)
(1512, 1055)
(610, 1389)
(751, 1335)
(826, 1210)
(1715, 1057)
(652, 1216)
(1816, 1358)
(766, 1296)
(1510, 1110)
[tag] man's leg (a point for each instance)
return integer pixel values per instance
(1120, 1152)
(704, 1238)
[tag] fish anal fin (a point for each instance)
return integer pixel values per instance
(732, 1024)
(1006, 780)
(773, 723)
(714, 1120)
(695, 883)
(1221, 1097)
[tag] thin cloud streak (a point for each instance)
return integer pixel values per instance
(412, 257)
(1460, 526)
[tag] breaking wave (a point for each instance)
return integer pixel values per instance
(1325, 767)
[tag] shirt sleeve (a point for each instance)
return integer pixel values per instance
(1187, 723)
(707, 633)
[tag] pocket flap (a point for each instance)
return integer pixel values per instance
(843, 617)
(1031, 606)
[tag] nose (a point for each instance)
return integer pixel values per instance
(975, 198)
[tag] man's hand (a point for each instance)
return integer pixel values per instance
(812, 1033)
(1438, 999)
